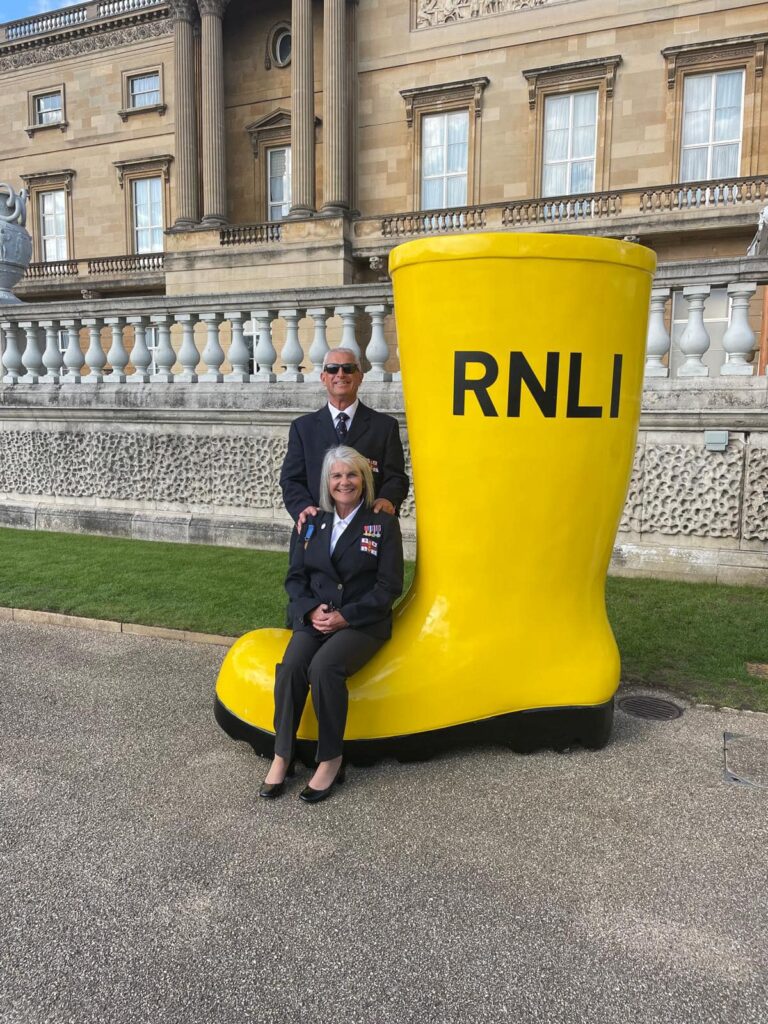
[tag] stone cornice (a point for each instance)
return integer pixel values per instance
(87, 37)
(695, 55)
(575, 72)
(143, 164)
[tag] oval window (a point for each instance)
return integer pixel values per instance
(281, 47)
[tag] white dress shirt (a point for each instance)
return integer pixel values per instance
(340, 525)
(348, 412)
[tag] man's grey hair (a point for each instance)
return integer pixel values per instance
(332, 356)
(350, 457)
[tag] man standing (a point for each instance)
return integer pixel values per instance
(344, 420)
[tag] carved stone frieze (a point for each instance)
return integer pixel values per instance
(76, 47)
(632, 516)
(430, 13)
(755, 523)
(237, 471)
(689, 490)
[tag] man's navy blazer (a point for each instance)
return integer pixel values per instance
(362, 579)
(374, 434)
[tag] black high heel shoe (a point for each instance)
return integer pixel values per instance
(272, 790)
(314, 796)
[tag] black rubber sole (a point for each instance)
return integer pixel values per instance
(522, 731)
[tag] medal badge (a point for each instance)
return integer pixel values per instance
(372, 530)
(369, 546)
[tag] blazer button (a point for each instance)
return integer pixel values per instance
(340, 586)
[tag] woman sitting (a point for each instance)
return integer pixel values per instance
(346, 572)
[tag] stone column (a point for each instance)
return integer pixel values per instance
(214, 163)
(335, 109)
(302, 110)
(184, 13)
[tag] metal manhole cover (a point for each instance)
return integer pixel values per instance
(655, 708)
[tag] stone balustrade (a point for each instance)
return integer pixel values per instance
(282, 336)
(72, 18)
(146, 341)
(644, 212)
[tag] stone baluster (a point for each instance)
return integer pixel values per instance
(319, 346)
(11, 354)
(397, 375)
(739, 338)
(213, 353)
(141, 357)
(117, 355)
(348, 339)
(95, 358)
(52, 358)
(239, 355)
(694, 341)
(658, 335)
(292, 353)
(189, 357)
(32, 357)
(74, 360)
(265, 354)
(377, 351)
(165, 357)
(303, 110)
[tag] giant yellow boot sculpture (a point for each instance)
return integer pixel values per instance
(522, 364)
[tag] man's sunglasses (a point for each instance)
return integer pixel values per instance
(348, 368)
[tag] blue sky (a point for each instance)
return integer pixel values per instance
(12, 10)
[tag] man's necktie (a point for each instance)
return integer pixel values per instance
(341, 427)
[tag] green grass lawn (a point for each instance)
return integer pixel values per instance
(691, 638)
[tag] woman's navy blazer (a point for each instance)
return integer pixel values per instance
(361, 579)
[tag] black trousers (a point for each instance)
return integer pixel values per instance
(322, 663)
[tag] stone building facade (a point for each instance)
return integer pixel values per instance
(220, 110)
(214, 188)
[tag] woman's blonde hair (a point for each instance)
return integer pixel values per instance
(350, 457)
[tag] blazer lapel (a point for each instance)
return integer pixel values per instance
(359, 425)
(324, 527)
(326, 430)
(351, 534)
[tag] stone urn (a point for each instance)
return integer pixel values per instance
(15, 241)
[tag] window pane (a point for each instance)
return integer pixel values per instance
(457, 190)
(694, 165)
(457, 157)
(557, 112)
(725, 161)
(698, 92)
(696, 127)
(582, 176)
(433, 130)
(728, 92)
(583, 142)
(554, 181)
(432, 194)
(48, 108)
(458, 127)
(555, 145)
(144, 90)
(432, 162)
(584, 109)
(148, 214)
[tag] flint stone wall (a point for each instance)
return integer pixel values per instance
(200, 464)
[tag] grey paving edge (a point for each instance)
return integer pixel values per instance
(110, 626)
